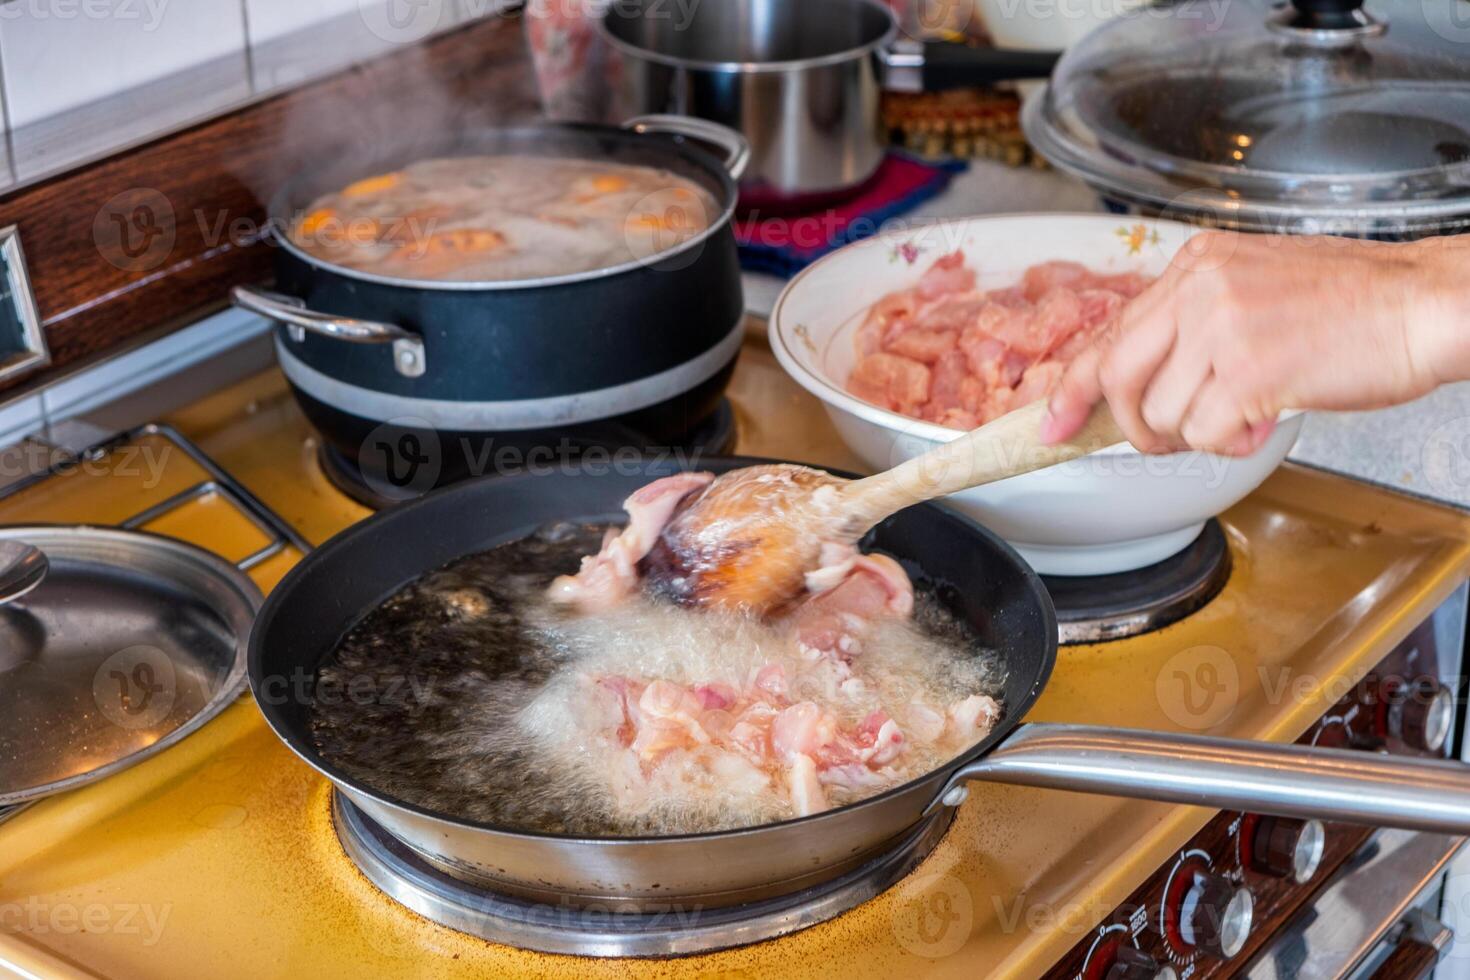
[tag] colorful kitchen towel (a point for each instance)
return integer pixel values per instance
(783, 244)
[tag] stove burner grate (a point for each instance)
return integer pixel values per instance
(715, 436)
(1098, 608)
(411, 881)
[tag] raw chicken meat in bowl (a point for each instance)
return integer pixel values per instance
(1114, 511)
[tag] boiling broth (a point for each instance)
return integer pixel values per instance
(503, 217)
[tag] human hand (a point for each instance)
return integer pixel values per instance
(1242, 327)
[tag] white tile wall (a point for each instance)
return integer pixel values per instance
(270, 19)
(91, 72)
(290, 44)
(59, 54)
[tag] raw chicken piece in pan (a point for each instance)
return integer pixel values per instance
(610, 575)
(779, 727)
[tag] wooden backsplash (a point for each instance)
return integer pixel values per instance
(154, 236)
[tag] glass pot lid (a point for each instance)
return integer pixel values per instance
(1334, 110)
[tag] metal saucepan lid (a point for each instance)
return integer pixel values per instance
(1326, 115)
(114, 647)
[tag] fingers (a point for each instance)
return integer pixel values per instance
(1216, 422)
(1146, 336)
(1173, 389)
(1118, 368)
(1072, 402)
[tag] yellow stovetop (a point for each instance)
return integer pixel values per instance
(216, 858)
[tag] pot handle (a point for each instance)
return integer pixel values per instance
(408, 348)
(736, 147)
(932, 66)
(1258, 777)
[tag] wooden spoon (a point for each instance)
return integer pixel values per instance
(749, 539)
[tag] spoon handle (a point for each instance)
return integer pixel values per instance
(1009, 446)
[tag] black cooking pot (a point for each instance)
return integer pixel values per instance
(446, 375)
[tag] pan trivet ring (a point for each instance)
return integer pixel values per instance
(409, 880)
(1098, 608)
(715, 436)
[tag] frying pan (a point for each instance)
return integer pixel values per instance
(973, 572)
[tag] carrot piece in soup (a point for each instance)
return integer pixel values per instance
(372, 185)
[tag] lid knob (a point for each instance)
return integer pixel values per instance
(1329, 15)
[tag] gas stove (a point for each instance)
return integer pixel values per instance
(1319, 609)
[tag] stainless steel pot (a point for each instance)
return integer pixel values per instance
(800, 80)
(988, 586)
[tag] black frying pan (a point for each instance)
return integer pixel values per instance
(974, 572)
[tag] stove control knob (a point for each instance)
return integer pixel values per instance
(1422, 714)
(1215, 915)
(1132, 963)
(1286, 848)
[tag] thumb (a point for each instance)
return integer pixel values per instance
(1071, 403)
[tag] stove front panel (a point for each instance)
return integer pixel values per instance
(1243, 890)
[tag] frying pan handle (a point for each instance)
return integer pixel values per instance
(737, 149)
(408, 348)
(1259, 777)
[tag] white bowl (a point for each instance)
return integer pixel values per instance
(1046, 25)
(1113, 511)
